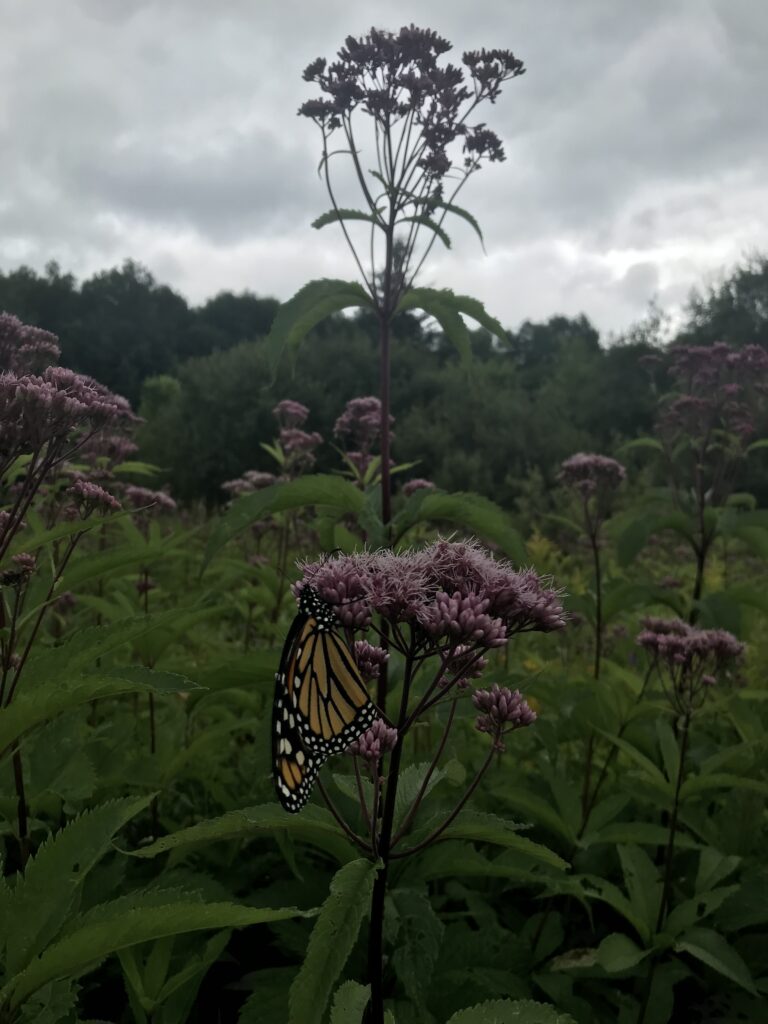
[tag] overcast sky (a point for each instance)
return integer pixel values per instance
(166, 131)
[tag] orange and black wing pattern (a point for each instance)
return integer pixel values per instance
(321, 704)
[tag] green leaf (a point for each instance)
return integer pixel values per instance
(89, 941)
(349, 1003)
(489, 828)
(314, 825)
(618, 952)
(670, 752)
(636, 534)
(511, 1011)
(690, 912)
(417, 946)
(643, 762)
(473, 512)
(643, 833)
(427, 222)
(714, 867)
(697, 784)
(331, 941)
(438, 305)
(711, 949)
(606, 892)
(311, 304)
(459, 211)
(754, 538)
(334, 216)
(757, 446)
(268, 1003)
(47, 700)
(640, 443)
(641, 879)
(539, 810)
(45, 894)
(314, 489)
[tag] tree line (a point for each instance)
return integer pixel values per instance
(200, 378)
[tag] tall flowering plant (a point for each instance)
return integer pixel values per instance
(48, 414)
(595, 479)
(392, 88)
(706, 427)
(446, 609)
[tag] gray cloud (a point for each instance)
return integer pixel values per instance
(166, 130)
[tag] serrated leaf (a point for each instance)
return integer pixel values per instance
(333, 936)
(418, 942)
(314, 825)
(490, 828)
(433, 303)
(313, 489)
(47, 700)
(459, 211)
(509, 1011)
(335, 216)
(311, 304)
(89, 942)
(428, 222)
(44, 895)
(477, 514)
(711, 949)
(349, 1003)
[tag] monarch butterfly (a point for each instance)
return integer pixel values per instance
(320, 706)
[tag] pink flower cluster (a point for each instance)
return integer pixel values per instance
(502, 710)
(687, 658)
(589, 473)
(451, 591)
(251, 480)
(141, 497)
(25, 349)
(369, 659)
(378, 740)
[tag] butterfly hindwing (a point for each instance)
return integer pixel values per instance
(295, 768)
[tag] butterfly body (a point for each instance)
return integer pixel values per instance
(321, 704)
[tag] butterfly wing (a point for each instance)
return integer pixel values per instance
(321, 704)
(331, 704)
(294, 768)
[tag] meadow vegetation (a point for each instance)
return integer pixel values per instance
(546, 555)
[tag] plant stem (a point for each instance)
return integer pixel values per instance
(665, 892)
(594, 539)
(21, 806)
(376, 933)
